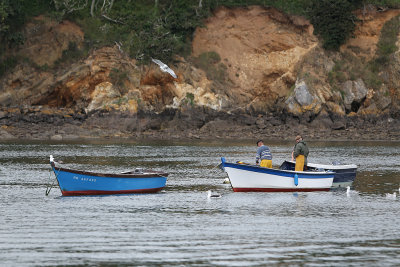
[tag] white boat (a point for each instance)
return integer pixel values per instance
(253, 178)
(344, 173)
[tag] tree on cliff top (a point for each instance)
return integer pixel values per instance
(333, 20)
(4, 12)
(162, 29)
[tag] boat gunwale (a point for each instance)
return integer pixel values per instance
(152, 174)
(327, 166)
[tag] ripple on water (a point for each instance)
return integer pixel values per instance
(180, 225)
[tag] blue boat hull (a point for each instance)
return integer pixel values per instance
(74, 183)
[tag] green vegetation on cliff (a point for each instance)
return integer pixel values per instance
(350, 67)
(161, 29)
(333, 20)
(13, 16)
(387, 41)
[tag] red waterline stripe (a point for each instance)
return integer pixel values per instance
(279, 189)
(99, 192)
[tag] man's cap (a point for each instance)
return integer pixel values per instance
(259, 142)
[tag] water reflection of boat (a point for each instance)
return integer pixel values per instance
(253, 178)
(344, 174)
(76, 182)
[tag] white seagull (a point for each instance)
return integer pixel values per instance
(164, 67)
(227, 181)
(391, 196)
(212, 195)
(350, 192)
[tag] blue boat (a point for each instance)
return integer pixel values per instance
(344, 174)
(77, 182)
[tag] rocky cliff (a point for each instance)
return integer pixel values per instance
(252, 72)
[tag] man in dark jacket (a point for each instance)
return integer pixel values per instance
(300, 153)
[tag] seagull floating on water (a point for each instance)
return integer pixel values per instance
(391, 196)
(212, 195)
(164, 67)
(227, 181)
(350, 192)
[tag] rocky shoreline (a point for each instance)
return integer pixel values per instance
(282, 85)
(39, 123)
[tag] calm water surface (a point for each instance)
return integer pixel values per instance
(180, 226)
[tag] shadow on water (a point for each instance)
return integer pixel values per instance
(371, 182)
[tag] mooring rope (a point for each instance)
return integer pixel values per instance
(48, 189)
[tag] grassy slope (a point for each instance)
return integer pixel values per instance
(144, 30)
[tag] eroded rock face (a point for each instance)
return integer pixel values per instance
(367, 33)
(72, 86)
(302, 100)
(355, 93)
(46, 40)
(394, 87)
(260, 48)
(273, 63)
(302, 94)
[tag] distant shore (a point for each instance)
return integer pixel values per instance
(31, 124)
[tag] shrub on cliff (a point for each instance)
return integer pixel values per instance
(210, 63)
(161, 29)
(13, 16)
(143, 28)
(386, 47)
(333, 20)
(387, 41)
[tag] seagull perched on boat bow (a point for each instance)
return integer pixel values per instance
(164, 67)
(227, 181)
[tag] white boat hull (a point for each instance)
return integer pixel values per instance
(247, 178)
